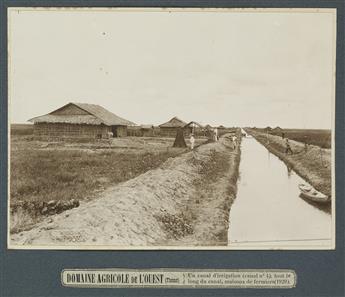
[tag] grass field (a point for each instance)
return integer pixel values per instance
(321, 138)
(45, 171)
(22, 129)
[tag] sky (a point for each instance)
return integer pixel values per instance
(219, 67)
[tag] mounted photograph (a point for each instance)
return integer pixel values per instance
(171, 128)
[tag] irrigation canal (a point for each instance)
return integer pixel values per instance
(268, 211)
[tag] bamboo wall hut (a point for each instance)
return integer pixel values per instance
(134, 131)
(169, 129)
(147, 130)
(79, 121)
(142, 131)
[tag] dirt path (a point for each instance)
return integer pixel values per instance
(185, 201)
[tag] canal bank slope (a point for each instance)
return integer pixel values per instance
(313, 164)
(186, 201)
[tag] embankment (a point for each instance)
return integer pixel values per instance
(313, 164)
(185, 201)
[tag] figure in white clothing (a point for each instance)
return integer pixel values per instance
(110, 136)
(192, 141)
(234, 141)
(215, 134)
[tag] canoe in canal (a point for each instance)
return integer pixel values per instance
(308, 192)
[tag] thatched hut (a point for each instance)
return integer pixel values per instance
(79, 121)
(194, 128)
(169, 129)
(277, 130)
(268, 129)
(221, 130)
(209, 132)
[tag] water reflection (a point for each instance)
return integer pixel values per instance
(289, 171)
(327, 208)
(268, 207)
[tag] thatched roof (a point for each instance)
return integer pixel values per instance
(195, 123)
(94, 115)
(67, 119)
(175, 122)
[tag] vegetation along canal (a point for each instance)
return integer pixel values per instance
(268, 210)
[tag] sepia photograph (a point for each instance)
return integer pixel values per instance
(171, 128)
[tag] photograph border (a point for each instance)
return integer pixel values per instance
(319, 272)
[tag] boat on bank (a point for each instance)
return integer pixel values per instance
(308, 192)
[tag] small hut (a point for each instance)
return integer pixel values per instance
(79, 121)
(194, 128)
(134, 131)
(169, 129)
(209, 132)
(278, 131)
(147, 130)
(221, 130)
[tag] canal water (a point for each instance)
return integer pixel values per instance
(268, 212)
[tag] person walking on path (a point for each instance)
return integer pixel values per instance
(234, 141)
(288, 149)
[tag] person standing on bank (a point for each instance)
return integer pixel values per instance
(288, 149)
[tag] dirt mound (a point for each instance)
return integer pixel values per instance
(139, 212)
(27, 213)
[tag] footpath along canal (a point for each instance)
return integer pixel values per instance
(268, 212)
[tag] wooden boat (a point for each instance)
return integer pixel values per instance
(310, 193)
